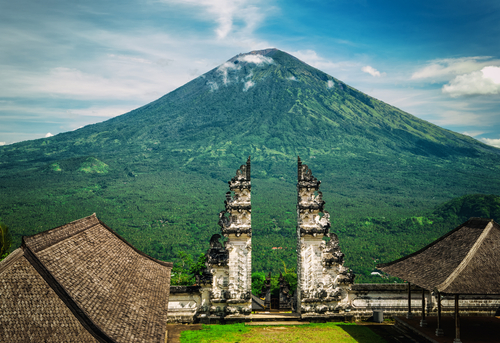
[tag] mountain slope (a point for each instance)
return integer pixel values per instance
(157, 174)
(266, 100)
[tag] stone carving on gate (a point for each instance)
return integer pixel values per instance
(323, 281)
(231, 263)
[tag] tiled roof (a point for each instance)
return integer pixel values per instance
(30, 310)
(464, 261)
(116, 292)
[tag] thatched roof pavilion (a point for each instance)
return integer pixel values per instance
(464, 261)
(82, 282)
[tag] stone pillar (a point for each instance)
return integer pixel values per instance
(439, 330)
(457, 321)
(323, 281)
(423, 322)
(217, 276)
(235, 222)
(409, 315)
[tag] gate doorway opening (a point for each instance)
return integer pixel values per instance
(275, 295)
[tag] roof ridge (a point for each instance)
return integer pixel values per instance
(45, 239)
(383, 265)
(163, 263)
(80, 314)
(441, 287)
(10, 259)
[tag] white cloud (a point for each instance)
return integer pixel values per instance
(213, 86)
(472, 133)
(491, 141)
(74, 83)
(486, 81)
(256, 59)
(48, 135)
(372, 71)
(224, 69)
(330, 84)
(3, 143)
(232, 15)
(292, 78)
(247, 85)
(443, 70)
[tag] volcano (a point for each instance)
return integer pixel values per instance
(157, 173)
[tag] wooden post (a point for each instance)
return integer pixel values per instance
(439, 331)
(409, 315)
(457, 322)
(423, 322)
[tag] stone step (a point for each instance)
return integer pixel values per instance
(274, 323)
(272, 317)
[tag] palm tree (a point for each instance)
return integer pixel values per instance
(5, 241)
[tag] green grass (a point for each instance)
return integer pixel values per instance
(328, 332)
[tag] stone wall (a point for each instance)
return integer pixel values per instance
(185, 304)
(393, 300)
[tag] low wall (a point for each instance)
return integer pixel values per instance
(185, 302)
(393, 300)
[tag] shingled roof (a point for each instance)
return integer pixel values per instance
(82, 282)
(464, 261)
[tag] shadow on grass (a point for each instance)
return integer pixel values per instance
(361, 334)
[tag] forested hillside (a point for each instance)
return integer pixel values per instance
(158, 174)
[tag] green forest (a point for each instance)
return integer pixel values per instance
(158, 175)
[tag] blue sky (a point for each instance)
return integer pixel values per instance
(66, 64)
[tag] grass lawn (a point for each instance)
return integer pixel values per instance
(327, 332)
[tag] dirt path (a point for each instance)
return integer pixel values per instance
(174, 331)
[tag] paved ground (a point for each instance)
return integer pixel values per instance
(472, 329)
(393, 334)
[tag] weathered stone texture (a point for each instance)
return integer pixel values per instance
(323, 281)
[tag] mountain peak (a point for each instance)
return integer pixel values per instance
(264, 52)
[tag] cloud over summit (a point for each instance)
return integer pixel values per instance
(255, 58)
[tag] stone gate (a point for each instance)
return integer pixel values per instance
(325, 288)
(224, 289)
(323, 282)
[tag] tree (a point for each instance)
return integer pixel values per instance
(5, 241)
(185, 269)
(258, 280)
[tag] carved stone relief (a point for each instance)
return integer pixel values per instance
(323, 281)
(322, 278)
